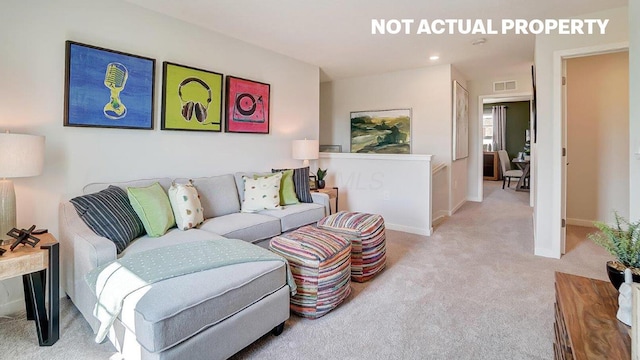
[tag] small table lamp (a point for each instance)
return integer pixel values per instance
(21, 155)
(305, 150)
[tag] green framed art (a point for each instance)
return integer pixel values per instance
(191, 98)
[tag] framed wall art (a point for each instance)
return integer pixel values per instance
(191, 98)
(107, 88)
(247, 106)
(331, 148)
(460, 121)
(381, 131)
(313, 182)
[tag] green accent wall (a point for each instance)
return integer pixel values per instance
(518, 115)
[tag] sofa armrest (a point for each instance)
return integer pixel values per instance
(81, 250)
(322, 199)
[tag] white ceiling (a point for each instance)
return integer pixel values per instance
(336, 34)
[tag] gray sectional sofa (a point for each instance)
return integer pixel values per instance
(210, 314)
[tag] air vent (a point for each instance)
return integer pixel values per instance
(504, 86)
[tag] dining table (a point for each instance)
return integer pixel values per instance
(522, 164)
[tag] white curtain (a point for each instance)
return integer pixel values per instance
(499, 127)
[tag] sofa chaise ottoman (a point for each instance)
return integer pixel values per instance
(210, 314)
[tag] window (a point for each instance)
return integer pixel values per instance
(487, 132)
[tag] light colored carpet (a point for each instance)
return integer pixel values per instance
(473, 290)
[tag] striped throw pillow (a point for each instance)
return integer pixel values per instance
(301, 183)
(109, 214)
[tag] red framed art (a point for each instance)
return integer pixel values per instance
(247, 106)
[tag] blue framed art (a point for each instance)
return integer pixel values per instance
(107, 88)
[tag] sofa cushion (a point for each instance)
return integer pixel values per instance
(95, 187)
(295, 216)
(172, 237)
(240, 183)
(160, 324)
(301, 183)
(261, 193)
(109, 214)
(186, 206)
(245, 226)
(152, 205)
(288, 189)
(218, 194)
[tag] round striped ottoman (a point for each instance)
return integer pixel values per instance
(368, 241)
(320, 263)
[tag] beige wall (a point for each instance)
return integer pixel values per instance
(32, 48)
(548, 162)
(597, 141)
(427, 91)
(478, 89)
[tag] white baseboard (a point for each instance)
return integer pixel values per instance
(546, 253)
(457, 207)
(474, 199)
(409, 229)
(439, 217)
(580, 222)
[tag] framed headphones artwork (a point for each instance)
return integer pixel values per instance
(247, 106)
(191, 98)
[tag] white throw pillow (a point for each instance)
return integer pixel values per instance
(261, 193)
(186, 205)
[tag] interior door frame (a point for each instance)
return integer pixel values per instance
(488, 99)
(559, 201)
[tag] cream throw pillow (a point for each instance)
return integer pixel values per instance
(261, 193)
(186, 205)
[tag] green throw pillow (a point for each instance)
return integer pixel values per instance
(287, 189)
(152, 205)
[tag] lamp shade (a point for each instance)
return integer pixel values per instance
(305, 149)
(21, 155)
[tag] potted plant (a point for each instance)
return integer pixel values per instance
(321, 175)
(621, 241)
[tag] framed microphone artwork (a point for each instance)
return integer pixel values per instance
(247, 106)
(108, 88)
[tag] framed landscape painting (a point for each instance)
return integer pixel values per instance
(107, 88)
(247, 106)
(381, 131)
(460, 122)
(191, 98)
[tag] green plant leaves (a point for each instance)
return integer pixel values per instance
(620, 240)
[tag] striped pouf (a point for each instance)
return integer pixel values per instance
(320, 263)
(368, 241)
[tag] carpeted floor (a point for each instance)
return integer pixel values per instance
(473, 290)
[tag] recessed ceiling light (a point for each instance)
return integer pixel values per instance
(434, 57)
(479, 41)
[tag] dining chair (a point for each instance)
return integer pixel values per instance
(505, 164)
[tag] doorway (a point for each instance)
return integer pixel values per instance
(516, 140)
(596, 139)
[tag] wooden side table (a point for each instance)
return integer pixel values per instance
(586, 326)
(333, 194)
(32, 264)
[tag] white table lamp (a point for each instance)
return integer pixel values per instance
(305, 150)
(21, 155)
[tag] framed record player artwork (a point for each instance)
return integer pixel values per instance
(247, 106)
(191, 98)
(107, 88)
